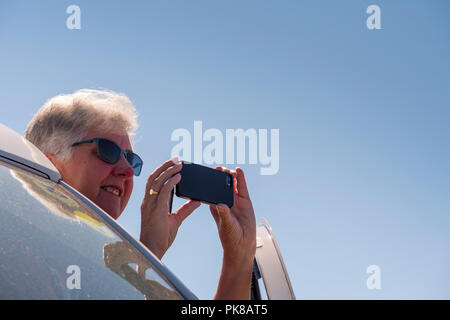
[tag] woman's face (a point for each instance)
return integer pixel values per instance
(107, 185)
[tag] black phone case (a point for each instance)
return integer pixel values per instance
(205, 184)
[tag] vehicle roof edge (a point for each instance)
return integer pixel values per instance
(15, 149)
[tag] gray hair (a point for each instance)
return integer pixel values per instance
(65, 119)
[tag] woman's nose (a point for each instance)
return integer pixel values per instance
(123, 168)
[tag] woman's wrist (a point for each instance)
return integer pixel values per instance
(235, 279)
(147, 242)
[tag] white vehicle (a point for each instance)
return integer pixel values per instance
(57, 244)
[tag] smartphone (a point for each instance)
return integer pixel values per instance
(205, 184)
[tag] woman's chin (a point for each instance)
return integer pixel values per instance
(113, 211)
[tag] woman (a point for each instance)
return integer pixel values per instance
(88, 136)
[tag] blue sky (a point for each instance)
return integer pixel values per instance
(363, 117)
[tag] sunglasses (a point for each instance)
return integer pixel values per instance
(110, 152)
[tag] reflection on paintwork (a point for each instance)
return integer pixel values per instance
(94, 224)
(119, 256)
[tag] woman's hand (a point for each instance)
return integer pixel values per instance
(237, 232)
(159, 226)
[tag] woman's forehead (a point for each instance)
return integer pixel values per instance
(121, 138)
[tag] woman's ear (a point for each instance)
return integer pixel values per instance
(57, 163)
(52, 159)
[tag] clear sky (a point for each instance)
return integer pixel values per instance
(363, 118)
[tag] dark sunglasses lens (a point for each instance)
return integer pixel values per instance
(108, 151)
(135, 162)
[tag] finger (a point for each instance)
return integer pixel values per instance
(241, 184)
(157, 172)
(164, 193)
(225, 169)
(165, 175)
(214, 213)
(224, 215)
(186, 209)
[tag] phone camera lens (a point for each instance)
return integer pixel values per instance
(228, 181)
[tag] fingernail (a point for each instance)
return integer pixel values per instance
(175, 160)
